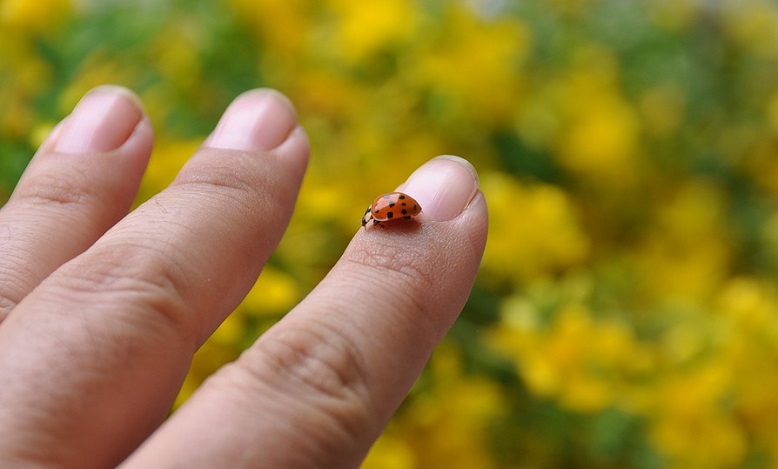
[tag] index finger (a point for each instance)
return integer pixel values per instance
(318, 388)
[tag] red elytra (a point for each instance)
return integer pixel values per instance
(391, 206)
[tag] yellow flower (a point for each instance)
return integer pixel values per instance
(689, 426)
(230, 331)
(283, 28)
(602, 142)
(40, 132)
(748, 330)
(390, 452)
(176, 55)
(760, 161)
(325, 92)
(674, 15)
(662, 109)
(274, 293)
(213, 354)
(474, 65)
(584, 364)
(364, 28)
(748, 304)
(446, 423)
(532, 225)
(168, 157)
(23, 75)
(34, 17)
(771, 111)
(754, 26)
(601, 138)
(686, 255)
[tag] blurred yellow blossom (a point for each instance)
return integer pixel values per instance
(662, 109)
(168, 157)
(687, 253)
(40, 132)
(749, 348)
(689, 414)
(577, 360)
(474, 65)
(390, 452)
(211, 356)
(39, 17)
(22, 76)
(601, 141)
(771, 112)
(754, 25)
(282, 27)
(534, 226)
(274, 293)
(761, 163)
(446, 426)
(364, 28)
(675, 15)
(176, 55)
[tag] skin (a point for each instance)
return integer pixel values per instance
(102, 309)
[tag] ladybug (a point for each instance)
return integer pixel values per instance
(391, 206)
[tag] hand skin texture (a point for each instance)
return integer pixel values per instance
(102, 310)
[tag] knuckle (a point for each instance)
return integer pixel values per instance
(150, 291)
(54, 189)
(319, 359)
(248, 185)
(318, 365)
(234, 176)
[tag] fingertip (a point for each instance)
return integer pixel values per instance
(478, 212)
(102, 121)
(260, 119)
(444, 187)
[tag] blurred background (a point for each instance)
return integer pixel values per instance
(626, 313)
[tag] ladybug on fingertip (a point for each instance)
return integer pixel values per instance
(389, 207)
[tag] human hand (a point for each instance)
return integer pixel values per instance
(102, 310)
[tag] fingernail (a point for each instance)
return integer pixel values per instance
(102, 121)
(256, 120)
(443, 186)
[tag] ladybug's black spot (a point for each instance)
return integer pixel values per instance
(404, 204)
(391, 204)
(389, 215)
(401, 197)
(404, 212)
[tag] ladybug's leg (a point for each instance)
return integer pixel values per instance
(378, 223)
(367, 216)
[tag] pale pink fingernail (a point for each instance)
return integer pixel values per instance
(443, 186)
(256, 120)
(103, 120)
